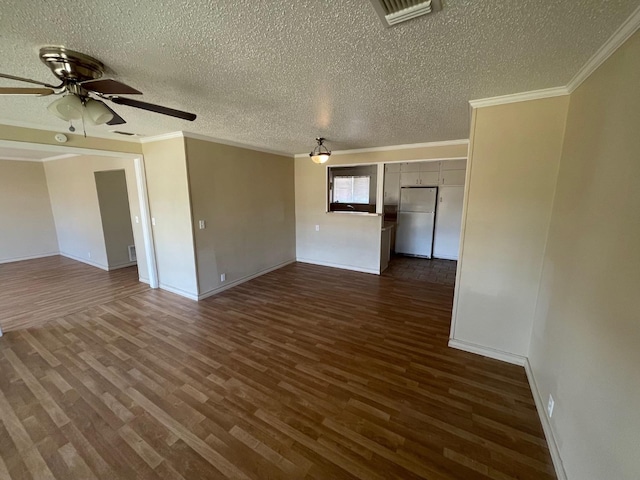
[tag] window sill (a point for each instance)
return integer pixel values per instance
(366, 214)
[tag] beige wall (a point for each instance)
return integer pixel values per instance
(246, 199)
(113, 199)
(74, 201)
(168, 191)
(514, 157)
(26, 221)
(346, 240)
(585, 348)
(21, 134)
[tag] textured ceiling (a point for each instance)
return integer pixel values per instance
(277, 73)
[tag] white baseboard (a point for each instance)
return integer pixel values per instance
(144, 280)
(339, 265)
(546, 424)
(122, 265)
(178, 291)
(488, 352)
(229, 285)
(85, 260)
(30, 257)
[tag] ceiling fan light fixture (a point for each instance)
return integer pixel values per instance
(97, 112)
(67, 108)
(320, 154)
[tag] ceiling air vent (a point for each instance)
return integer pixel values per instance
(392, 12)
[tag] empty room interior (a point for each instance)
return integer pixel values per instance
(367, 239)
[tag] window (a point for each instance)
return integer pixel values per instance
(352, 189)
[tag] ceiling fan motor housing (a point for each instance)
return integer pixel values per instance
(69, 65)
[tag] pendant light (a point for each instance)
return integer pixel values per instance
(320, 154)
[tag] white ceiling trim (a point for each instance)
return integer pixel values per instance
(614, 42)
(159, 138)
(20, 159)
(60, 157)
(445, 143)
(66, 149)
(207, 138)
(519, 97)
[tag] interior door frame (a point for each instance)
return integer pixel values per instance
(141, 183)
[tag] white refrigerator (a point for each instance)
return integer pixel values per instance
(416, 221)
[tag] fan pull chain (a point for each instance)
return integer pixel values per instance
(71, 127)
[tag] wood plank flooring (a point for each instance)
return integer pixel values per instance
(34, 291)
(304, 373)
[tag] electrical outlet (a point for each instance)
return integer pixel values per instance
(153, 221)
(223, 277)
(88, 254)
(201, 225)
(317, 228)
(137, 219)
(550, 406)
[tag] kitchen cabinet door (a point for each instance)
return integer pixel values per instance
(391, 188)
(410, 167)
(452, 177)
(454, 165)
(446, 240)
(429, 166)
(429, 178)
(409, 179)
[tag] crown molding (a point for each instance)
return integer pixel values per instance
(406, 146)
(230, 143)
(20, 159)
(614, 42)
(93, 133)
(60, 157)
(519, 97)
(208, 138)
(161, 137)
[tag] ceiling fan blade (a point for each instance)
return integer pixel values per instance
(154, 108)
(28, 80)
(40, 92)
(109, 87)
(117, 119)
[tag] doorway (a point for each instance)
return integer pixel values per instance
(115, 215)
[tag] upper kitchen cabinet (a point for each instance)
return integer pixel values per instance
(452, 172)
(452, 177)
(419, 174)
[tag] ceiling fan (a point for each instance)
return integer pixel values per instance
(82, 88)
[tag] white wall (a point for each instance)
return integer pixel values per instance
(345, 240)
(74, 201)
(26, 221)
(168, 191)
(514, 157)
(585, 347)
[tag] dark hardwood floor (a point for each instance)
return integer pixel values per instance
(35, 291)
(304, 373)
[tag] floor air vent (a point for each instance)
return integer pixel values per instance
(392, 12)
